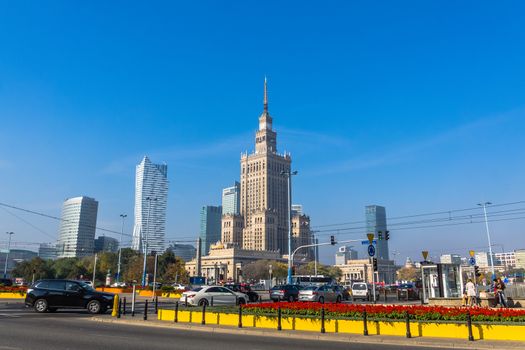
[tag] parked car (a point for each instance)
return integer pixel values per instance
(50, 295)
(361, 290)
(6, 282)
(321, 294)
(345, 294)
(243, 288)
(407, 291)
(216, 295)
(285, 292)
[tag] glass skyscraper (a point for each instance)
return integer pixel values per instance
(77, 228)
(231, 199)
(376, 224)
(151, 196)
(210, 232)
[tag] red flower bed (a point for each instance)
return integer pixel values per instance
(417, 312)
(13, 289)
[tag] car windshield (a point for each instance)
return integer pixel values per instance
(359, 286)
(310, 288)
(85, 285)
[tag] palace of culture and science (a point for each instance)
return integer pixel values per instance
(260, 229)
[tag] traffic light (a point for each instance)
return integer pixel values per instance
(332, 240)
(476, 271)
(387, 235)
(374, 264)
(380, 235)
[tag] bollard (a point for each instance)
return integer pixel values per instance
(124, 307)
(176, 318)
(365, 325)
(211, 302)
(279, 318)
(240, 316)
(119, 309)
(146, 310)
(469, 325)
(156, 305)
(407, 319)
(186, 301)
(203, 313)
(322, 320)
(114, 310)
(133, 297)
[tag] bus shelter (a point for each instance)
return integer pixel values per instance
(441, 281)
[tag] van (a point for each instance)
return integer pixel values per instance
(360, 290)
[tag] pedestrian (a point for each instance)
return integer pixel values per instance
(471, 293)
(464, 299)
(499, 292)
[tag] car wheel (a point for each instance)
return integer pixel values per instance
(290, 298)
(338, 300)
(203, 302)
(51, 309)
(242, 301)
(321, 300)
(40, 305)
(94, 307)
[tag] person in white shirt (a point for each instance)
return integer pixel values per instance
(471, 289)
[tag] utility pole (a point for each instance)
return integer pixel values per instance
(123, 216)
(289, 174)
(155, 274)
(484, 205)
(8, 251)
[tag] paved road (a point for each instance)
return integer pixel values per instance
(22, 328)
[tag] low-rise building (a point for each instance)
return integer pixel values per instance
(450, 259)
(519, 256)
(362, 269)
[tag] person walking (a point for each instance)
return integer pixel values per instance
(499, 292)
(472, 295)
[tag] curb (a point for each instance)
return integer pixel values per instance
(356, 339)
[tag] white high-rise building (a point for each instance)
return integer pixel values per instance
(231, 199)
(77, 228)
(151, 196)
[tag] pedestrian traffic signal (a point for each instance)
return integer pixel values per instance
(387, 235)
(476, 271)
(374, 264)
(332, 240)
(380, 235)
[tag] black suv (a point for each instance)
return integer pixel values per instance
(49, 295)
(243, 288)
(289, 292)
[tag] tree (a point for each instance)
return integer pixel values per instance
(41, 268)
(260, 269)
(408, 274)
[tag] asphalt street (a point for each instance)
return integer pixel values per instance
(22, 328)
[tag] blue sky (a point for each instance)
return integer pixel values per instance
(417, 106)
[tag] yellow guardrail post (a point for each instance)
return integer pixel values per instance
(115, 306)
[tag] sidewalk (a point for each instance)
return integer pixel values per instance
(349, 338)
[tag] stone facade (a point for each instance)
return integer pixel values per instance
(361, 270)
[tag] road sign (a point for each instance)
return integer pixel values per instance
(370, 237)
(371, 250)
(471, 253)
(425, 254)
(367, 243)
(472, 261)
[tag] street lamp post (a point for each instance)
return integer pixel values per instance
(289, 174)
(123, 216)
(149, 199)
(8, 251)
(484, 206)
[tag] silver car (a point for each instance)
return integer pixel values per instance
(320, 294)
(213, 295)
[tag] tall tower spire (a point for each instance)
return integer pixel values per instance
(265, 95)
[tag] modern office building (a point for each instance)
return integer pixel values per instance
(231, 199)
(151, 197)
(345, 253)
(519, 255)
(15, 256)
(483, 259)
(47, 251)
(375, 216)
(450, 259)
(507, 259)
(186, 252)
(106, 244)
(297, 209)
(210, 230)
(77, 227)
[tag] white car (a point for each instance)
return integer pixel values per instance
(178, 286)
(360, 290)
(216, 295)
